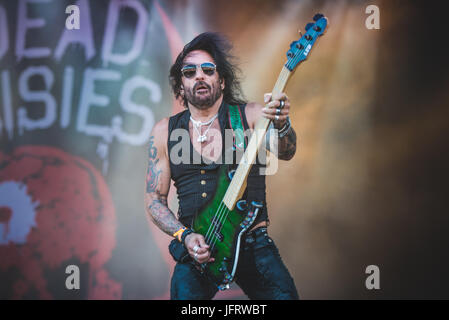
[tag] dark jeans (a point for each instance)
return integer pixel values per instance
(261, 274)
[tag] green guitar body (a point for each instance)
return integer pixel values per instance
(223, 229)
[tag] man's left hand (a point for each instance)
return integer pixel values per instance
(274, 110)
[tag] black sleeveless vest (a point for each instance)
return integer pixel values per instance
(196, 181)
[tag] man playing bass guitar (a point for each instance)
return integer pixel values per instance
(206, 81)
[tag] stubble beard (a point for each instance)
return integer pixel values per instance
(204, 101)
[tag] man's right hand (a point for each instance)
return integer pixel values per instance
(198, 248)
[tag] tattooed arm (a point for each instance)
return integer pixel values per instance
(158, 180)
(156, 191)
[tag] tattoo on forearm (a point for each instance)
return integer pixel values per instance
(287, 145)
(153, 173)
(162, 215)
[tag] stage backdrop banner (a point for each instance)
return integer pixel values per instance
(78, 100)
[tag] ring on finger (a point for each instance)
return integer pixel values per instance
(276, 117)
(196, 248)
(281, 104)
(195, 256)
(278, 111)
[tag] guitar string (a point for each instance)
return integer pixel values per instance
(215, 223)
(210, 229)
(214, 239)
(308, 42)
(219, 221)
(225, 212)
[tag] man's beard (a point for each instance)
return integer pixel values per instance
(203, 101)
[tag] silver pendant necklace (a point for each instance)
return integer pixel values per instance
(198, 124)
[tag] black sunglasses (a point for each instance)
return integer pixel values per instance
(189, 71)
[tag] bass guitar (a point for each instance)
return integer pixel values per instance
(224, 220)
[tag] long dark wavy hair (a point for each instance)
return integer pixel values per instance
(220, 49)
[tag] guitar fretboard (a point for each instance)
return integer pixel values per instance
(238, 183)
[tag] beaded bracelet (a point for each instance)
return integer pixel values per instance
(178, 234)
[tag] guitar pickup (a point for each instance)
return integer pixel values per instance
(219, 236)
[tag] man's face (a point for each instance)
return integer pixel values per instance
(201, 90)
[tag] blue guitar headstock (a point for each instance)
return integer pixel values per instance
(299, 50)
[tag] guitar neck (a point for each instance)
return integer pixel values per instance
(238, 184)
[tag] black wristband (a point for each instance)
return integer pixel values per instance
(285, 129)
(185, 234)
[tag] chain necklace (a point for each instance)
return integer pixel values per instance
(198, 124)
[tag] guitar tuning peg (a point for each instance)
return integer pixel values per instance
(309, 25)
(317, 17)
(300, 32)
